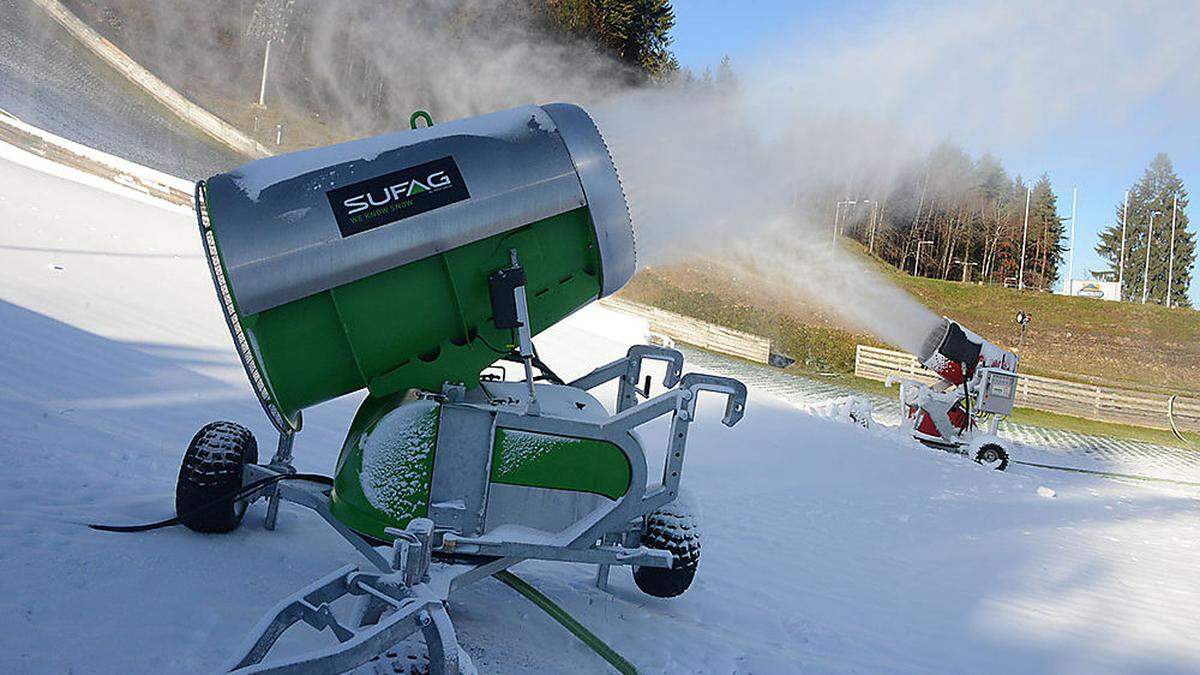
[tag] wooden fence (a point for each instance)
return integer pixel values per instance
(1104, 404)
(695, 332)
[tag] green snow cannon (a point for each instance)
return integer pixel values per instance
(365, 264)
(407, 265)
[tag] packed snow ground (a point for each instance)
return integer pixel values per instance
(827, 548)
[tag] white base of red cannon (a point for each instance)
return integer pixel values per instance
(940, 419)
(962, 412)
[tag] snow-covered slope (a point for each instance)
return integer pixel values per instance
(827, 548)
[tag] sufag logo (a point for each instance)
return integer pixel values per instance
(395, 192)
(394, 196)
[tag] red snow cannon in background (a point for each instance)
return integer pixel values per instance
(961, 411)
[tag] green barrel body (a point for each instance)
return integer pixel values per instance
(365, 265)
(421, 324)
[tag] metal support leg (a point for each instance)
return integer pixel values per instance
(602, 577)
(283, 462)
(413, 607)
(524, 337)
(611, 539)
(440, 640)
(272, 508)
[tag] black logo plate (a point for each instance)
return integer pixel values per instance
(395, 196)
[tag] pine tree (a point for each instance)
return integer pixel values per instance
(1155, 193)
(1046, 237)
(649, 41)
(725, 78)
(990, 178)
(638, 32)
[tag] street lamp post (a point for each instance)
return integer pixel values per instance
(871, 213)
(837, 209)
(1024, 235)
(965, 266)
(269, 21)
(1071, 255)
(874, 218)
(917, 260)
(262, 89)
(1149, 243)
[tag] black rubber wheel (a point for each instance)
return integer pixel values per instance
(992, 455)
(670, 528)
(211, 469)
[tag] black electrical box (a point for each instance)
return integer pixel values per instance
(501, 285)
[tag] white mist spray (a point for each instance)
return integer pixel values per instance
(727, 174)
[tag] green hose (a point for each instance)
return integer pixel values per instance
(560, 615)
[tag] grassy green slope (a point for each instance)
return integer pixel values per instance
(1144, 347)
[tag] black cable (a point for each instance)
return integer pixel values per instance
(1107, 474)
(547, 374)
(512, 356)
(240, 493)
(489, 345)
(1093, 472)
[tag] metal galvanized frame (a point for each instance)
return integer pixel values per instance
(401, 586)
(415, 591)
(578, 543)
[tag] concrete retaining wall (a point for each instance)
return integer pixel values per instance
(691, 331)
(198, 117)
(103, 166)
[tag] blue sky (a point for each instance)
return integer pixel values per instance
(1102, 155)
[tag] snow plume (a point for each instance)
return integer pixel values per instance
(734, 178)
(808, 270)
(761, 164)
(753, 172)
(456, 59)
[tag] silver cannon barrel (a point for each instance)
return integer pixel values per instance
(294, 225)
(365, 264)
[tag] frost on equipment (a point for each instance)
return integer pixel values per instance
(978, 388)
(406, 265)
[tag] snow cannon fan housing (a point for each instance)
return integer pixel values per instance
(949, 346)
(365, 264)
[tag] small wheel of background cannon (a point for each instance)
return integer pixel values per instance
(991, 454)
